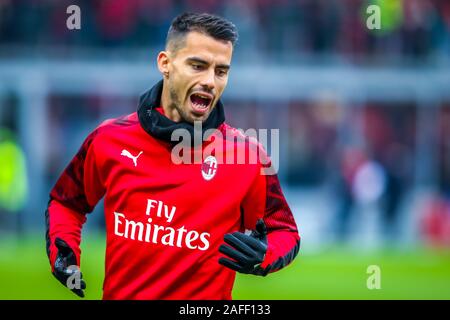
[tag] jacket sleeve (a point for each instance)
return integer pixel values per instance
(75, 193)
(265, 200)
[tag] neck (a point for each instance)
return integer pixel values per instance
(169, 109)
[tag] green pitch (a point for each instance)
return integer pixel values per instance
(331, 274)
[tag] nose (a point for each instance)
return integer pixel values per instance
(208, 80)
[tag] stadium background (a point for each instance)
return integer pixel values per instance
(364, 119)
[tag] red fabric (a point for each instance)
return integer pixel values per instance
(160, 110)
(180, 259)
(66, 224)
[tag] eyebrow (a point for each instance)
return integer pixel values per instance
(201, 61)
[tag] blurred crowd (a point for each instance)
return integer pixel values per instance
(369, 156)
(284, 29)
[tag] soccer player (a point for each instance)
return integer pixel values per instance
(174, 230)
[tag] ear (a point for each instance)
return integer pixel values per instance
(163, 63)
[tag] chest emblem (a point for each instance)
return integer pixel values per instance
(209, 168)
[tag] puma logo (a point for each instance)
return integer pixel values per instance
(127, 154)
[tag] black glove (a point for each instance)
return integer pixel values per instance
(247, 251)
(66, 270)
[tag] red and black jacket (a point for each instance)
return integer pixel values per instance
(165, 221)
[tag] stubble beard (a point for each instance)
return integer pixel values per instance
(177, 105)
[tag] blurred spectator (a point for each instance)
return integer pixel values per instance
(13, 173)
(351, 160)
(435, 224)
(13, 179)
(444, 152)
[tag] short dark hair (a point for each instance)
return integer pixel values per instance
(217, 27)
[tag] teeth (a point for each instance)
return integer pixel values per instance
(200, 105)
(202, 96)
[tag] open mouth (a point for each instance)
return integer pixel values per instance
(200, 102)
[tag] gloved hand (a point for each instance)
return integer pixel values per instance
(66, 268)
(247, 251)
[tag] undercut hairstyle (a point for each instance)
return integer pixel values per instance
(214, 26)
